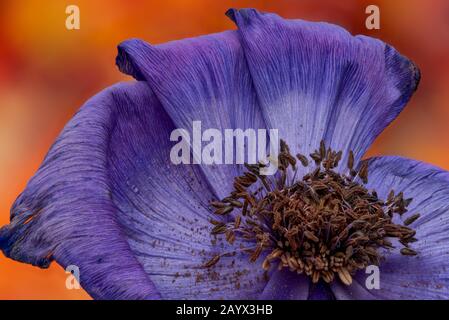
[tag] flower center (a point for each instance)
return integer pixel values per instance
(325, 225)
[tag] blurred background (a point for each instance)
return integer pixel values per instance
(47, 72)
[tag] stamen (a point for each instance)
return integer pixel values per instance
(326, 225)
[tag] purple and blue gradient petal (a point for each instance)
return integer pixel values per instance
(355, 291)
(165, 213)
(316, 81)
(200, 79)
(425, 276)
(108, 200)
(286, 285)
(66, 212)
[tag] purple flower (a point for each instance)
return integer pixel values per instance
(108, 200)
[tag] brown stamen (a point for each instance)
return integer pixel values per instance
(326, 225)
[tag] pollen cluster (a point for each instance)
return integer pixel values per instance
(325, 225)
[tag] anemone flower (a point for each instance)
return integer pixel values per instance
(108, 200)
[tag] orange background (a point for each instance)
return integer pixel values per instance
(47, 72)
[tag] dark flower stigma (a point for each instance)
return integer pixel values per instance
(325, 225)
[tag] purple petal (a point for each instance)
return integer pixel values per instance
(425, 276)
(200, 79)
(108, 199)
(355, 291)
(66, 212)
(320, 291)
(316, 81)
(286, 285)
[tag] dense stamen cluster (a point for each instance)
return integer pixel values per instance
(325, 224)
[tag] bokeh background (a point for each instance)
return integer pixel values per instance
(47, 72)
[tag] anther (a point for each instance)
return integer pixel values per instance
(326, 225)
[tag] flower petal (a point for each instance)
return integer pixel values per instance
(286, 285)
(200, 79)
(66, 213)
(108, 199)
(320, 291)
(355, 291)
(425, 276)
(316, 81)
